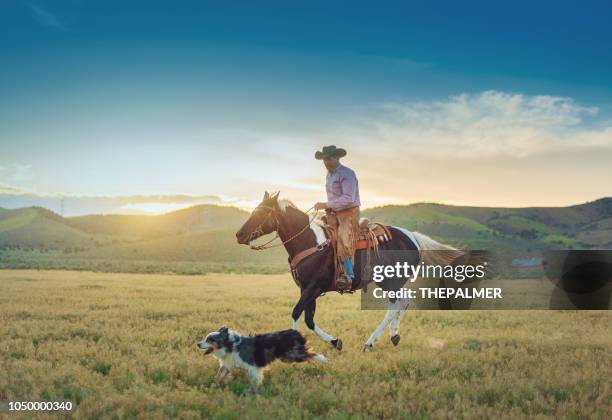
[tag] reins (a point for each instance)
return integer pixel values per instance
(267, 245)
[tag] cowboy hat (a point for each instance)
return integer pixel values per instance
(330, 151)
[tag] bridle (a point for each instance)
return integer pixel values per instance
(258, 231)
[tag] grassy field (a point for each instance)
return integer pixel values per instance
(123, 345)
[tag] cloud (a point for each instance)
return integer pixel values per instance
(16, 172)
(490, 123)
(8, 189)
(77, 205)
(46, 18)
(486, 148)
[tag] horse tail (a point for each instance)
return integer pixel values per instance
(434, 252)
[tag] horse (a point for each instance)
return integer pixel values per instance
(315, 273)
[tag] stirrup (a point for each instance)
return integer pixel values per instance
(344, 283)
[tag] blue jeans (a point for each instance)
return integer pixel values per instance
(348, 268)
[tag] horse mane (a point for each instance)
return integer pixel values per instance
(284, 203)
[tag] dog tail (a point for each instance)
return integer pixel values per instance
(318, 357)
(312, 354)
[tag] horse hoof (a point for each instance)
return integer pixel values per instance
(395, 339)
(337, 343)
(367, 348)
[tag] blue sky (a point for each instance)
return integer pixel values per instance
(232, 98)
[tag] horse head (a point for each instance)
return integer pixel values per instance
(262, 221)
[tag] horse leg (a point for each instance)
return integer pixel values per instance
(391, 314)
(305, 297)
(309, 319)
(295, 323)
(296, 314)
(395, 323)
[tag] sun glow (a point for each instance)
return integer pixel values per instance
(154, 208)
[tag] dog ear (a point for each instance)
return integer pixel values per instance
(223, 330)
(275, 195)
(266, 196)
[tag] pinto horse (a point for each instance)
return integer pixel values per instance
(315, 274)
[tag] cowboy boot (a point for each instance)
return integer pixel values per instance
(344, 283)
(345, 279)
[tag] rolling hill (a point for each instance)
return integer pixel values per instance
(197, 218)
(39, 228)
(586, 225)
(203, 235)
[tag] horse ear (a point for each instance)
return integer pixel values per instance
(275, 195)
(266, 196)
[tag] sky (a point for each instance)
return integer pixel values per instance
(157, 105)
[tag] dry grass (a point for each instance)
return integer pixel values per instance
(123, 345)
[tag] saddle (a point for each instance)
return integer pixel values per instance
(371, 236)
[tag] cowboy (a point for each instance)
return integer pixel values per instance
(343, 202)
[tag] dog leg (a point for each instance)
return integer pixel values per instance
(221, 375)
(256, 378)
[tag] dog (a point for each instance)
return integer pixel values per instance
(255, 352)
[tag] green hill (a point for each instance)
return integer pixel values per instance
(582, 226)
(203, 236)
(41, 229)
(197, 218)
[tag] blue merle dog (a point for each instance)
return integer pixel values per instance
(255, 352)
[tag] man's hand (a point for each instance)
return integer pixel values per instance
(320, 206)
